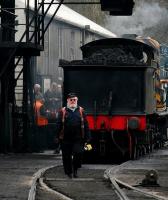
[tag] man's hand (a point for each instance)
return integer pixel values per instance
(88, 147)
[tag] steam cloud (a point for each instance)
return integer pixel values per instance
(145, 15)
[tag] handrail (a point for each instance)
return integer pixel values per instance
(14, 51)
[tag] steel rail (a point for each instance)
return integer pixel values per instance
(139, 190)
(55, 193)
(111, 173)
(36, 177)
(61, 196)
(117, 189)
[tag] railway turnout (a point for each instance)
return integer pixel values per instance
(41, 177)
(125, 181)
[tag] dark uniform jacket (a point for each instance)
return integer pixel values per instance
(51, 100)
(71, 128)
(52, 103)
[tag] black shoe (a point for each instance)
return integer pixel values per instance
(75, 175)
(56, 152)
(69, 175)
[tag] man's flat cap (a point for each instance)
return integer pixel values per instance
(71, 95)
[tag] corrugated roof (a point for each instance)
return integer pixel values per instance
(69, 16)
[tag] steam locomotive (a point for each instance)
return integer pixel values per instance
(118, 84)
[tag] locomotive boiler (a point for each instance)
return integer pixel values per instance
(118, 84)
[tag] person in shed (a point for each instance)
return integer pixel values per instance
(51, 97)
(40, 120)
(73, 132)
(52, 104)
(37, 93)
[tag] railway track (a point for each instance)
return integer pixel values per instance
(106, 181)
(129, 178)
(91, 185)
(132, 193)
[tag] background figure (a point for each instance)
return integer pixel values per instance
(51, 98)
(52, 103)
(37, 93)
(73, 131)
(40, 120)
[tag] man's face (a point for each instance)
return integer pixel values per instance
(54, 87)
(37, 90)
(72, 102)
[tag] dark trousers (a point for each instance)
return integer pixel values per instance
(51, 130)
(71, 156)
(39, 139)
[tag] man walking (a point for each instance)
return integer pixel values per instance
(73, 132)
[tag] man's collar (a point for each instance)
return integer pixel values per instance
(73, 109)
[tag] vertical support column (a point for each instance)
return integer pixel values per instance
(26, 65)
(36, 21)
(8, 20)
(6, 102)
(31, 80)
(3, 147)
(27, 21)
(42, 26)
(6, 80)
(83, 36)
(28, 101)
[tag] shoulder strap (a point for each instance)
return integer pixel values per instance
(82, 120)
(61, 134)
(63, 120)
(63, 114)
(81, 111)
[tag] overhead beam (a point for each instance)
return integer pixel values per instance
(73, 2)
(115, 7)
